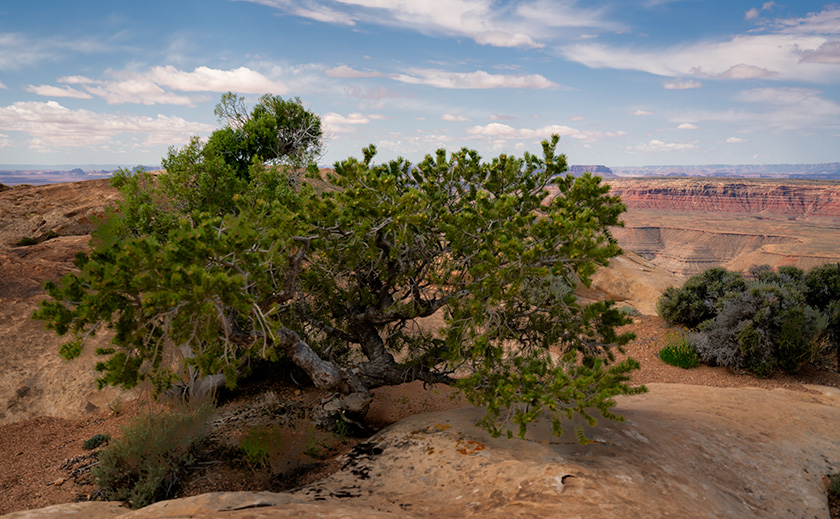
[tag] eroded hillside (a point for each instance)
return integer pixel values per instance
(688, 225)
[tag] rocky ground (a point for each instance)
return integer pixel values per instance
(44, 455)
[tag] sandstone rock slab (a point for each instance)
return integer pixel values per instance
(684, 451)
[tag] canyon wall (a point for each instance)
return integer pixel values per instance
(686, 225)
(791, 198)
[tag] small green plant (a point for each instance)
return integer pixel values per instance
(26, 241)
(629, 311)
(342, 429)
(95, 441)
(116, 407)
(678, 351)
(260, 444)
(834, 485)
(142, 465)
(312, 449)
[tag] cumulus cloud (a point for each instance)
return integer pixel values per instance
(137, 89)
(55, 91)
(52, 125)
(657, 146)
(337, 123)
(484, 21)
(735, 140)
(504, 132)
(742, 71)
(827, 53)
(204, 79)
(454, 118)
(159, 85)
(640, 112)
(686, 126)
(502, 117)
(472, 80)
(681, 84)
(4, 87)
(755, 12)
(793, 48)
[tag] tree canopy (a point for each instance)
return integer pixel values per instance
(221, 259)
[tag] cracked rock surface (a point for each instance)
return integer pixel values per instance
(684, 451)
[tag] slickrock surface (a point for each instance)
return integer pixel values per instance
(684, 451)
(34, 380)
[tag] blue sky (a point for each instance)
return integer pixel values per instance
(623, 82)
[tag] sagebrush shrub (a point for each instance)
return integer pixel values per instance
(141, 466)
(697, 300)
(766, 328)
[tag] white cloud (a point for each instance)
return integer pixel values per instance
(337, 123)
(310, 10)
(484, 21)
(454, 118)
(502, 117)
(159, 85)
(504, 132)
(681, 84)
(686, 126)
(752, 13)
(779, 51)
(204, 79)
(827, 53)
(54, 91)
(140, 90)
(473, 80)
(780, 108)
(19, 50)
(343, 71)
(577, 118)
(657, 146)
(4, 87)
(51, 125)
(742, 71)
(735, 140)
(640, 112)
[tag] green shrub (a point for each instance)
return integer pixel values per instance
(771, 321)
(26, 241)
(678, 351)
(697, 300)
(834, 485)
(766, 328)
(260, 445)
(143, 464)
(95, 441)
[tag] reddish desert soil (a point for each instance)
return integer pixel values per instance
(39, 453)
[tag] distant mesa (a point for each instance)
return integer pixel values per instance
(40, 175)
(826, 171)
(601, 171)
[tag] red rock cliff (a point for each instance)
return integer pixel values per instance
(793, 198)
